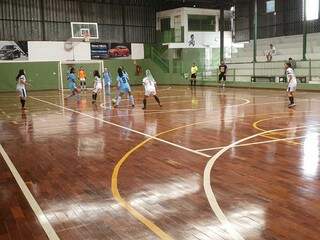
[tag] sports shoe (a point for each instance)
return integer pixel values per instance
(291, 105)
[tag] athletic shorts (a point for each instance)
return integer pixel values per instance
(150, 92)
(193, 75)
(82, 79)
(72, 86)
(222, 76)
(292, 87)
(22, 92)
(125, 89)
(97, 88)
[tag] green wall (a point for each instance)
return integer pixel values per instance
(160, 76)
(88, 67)
(168, 36)
(42, 75)
(183, 63)
(45, 75)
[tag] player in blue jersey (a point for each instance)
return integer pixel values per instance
(72, 84)
(124, 88)
(124, 71)
(107, 81)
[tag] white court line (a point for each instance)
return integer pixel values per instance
(110, 123)
(195, 109)
(52, 235)
(200, 99)
(126, 128)
(253, 143)
(207, 181)
(179, 110)
(102, 105)
(175, 110)
(146, 135)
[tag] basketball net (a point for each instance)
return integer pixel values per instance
(86, 37)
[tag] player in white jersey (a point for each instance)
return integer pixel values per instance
(21, 88)
(97, 85)
(292, 83)
(149, 89)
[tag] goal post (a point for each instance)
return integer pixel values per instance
(89, 67)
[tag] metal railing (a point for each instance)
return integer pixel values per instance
(310, 70)
(159, 60)
(307, 72)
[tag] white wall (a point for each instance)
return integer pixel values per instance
(137, 51)
(202, 39)
(205, 40)
(55, 51)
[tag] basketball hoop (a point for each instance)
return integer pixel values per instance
(68, 46)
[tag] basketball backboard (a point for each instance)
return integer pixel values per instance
(80, 30)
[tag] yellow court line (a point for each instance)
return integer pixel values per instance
(116, 194)
(255, 126)
(253, 143)
(115, 174)
(235, 235)
(258, 128)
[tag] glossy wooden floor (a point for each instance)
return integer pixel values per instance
(102, 174)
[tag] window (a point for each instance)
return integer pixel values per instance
(270, 6)
(201, 23)
(165, 24)
(312, 9)
(227, 24)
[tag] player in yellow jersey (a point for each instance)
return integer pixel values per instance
(194, 71)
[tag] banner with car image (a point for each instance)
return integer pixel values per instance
(110, 50)
(13, 50)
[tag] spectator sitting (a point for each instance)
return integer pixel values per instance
(293, 63)
(270, 52)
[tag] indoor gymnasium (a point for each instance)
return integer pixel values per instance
(148, 119)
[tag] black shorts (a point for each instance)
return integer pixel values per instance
(193, 76)
(222, 76)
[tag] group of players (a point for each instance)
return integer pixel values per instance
(289, 72)
(222, 74)
(123, 86)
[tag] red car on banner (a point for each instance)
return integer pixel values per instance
(119, 51)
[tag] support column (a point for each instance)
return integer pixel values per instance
(304, 47)
(221, 26)
(124, 23)
(43, 27)
(255, 30)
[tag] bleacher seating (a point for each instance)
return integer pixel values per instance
(241, 64)
(286, 46)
